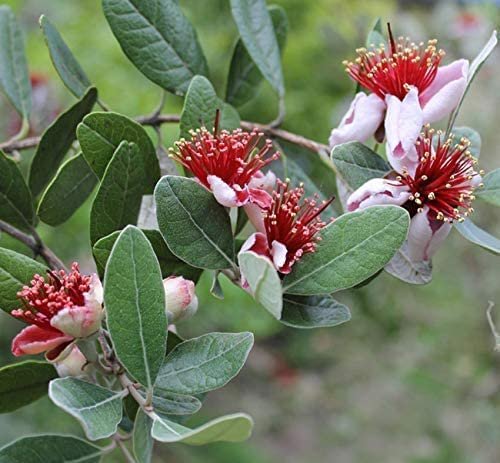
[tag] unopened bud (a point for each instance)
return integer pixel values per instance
(180, 299)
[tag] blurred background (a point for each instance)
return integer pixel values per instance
(413, 376)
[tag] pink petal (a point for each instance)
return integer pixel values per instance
(255, 216)
(403, 124)
(35, 340)
(378, 191)
(263, 181)
(444, 94)
(258, 244)
(361, 121)
(425, 236)
(79, 321)
(223, 193)
(278, 253)
(73, 364)
(260, 197)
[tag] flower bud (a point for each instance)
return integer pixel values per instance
(180, 299)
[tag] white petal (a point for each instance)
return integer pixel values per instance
(223, 193)
(278, 252)
(378, 191)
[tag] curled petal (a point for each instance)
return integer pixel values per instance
(35, 340)
(403, 124)
(95, 295)
(225, 194)
(72, 365)
(378, 191)
(444, 94)
(361, 121)
(255, 216)
(79, 321)
(258, 244)
(263, 181)
(278, 253)
(425, 235)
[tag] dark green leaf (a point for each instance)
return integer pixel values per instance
(356, 163)
(205, 363)
(50, 448)
(118, 199)
(64, 62)
(490, 191)
(194, 225)
(23, 383)
(101, 133)
(16, 270)
(142, 439)
(353, 248)
(313, 311)
(244, 76)
(135, 306)
(56, 141)
(16, 204)
(171, 403)
(478, 236)
(69, 189)
(14, 77)
(257, 34)
(158, 39)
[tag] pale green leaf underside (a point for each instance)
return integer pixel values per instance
(490, 191)
(478, 236)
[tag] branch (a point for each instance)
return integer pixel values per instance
(18, 145)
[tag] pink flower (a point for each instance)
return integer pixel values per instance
(287, 229)
(409, 88)
(436, 191)
(59, 310)
(180, 299)
(229, 164)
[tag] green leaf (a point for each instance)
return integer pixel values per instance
(230, 118)
(16, 204)
(171, 403)
(375, 36)
(56, 141)
(205, 363)
(472, 135)
(356, 163)
(16, 270)
(158, 39)
(263, 280)
(244, 76)
(490, 191)
(98, 410)
(478, 236)
(14, 77)
(169, 264)
(229, 428)
(401, 266)
(23, 383)
(196, 228)
(313, 312)
(50, 448)
(66, 65)
(69, 189)
(118, 199)
(353, 248)
(135, 305)
(101, 133)
(141, 439)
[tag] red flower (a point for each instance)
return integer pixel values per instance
(65, 307)
(229, 164)
(288, 228)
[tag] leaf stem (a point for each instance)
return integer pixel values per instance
(121, 445)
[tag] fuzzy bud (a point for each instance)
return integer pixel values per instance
(180, 299)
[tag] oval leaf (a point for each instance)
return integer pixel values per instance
(170, 403)
(490, 191)
(69, 189)
(478, 236)
(56, 141)
(313, 312)
(118, 199)
(14, 77)
(50, 448)
(135, 305)
(229, 428)
(98, 410)
(264, 281)
(23, 383)
(205, 363)
(158, 39)
(16, 270)
(352, 248)
(257, 34)
(196, 228)
(66, 65)
(101, 133)
(16, 203)
(141, 439)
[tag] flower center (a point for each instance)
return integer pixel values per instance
(233, 156)
(444, 179)
(293, 222)
(44, 299)
(394, 71)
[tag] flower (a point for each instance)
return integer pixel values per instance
(229, 164)
(59, 310)
(71, 362)
(436, 191)
(288, 228)
(180, 299)
(408, 88)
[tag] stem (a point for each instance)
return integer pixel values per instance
(121, 445)
(18, 145)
